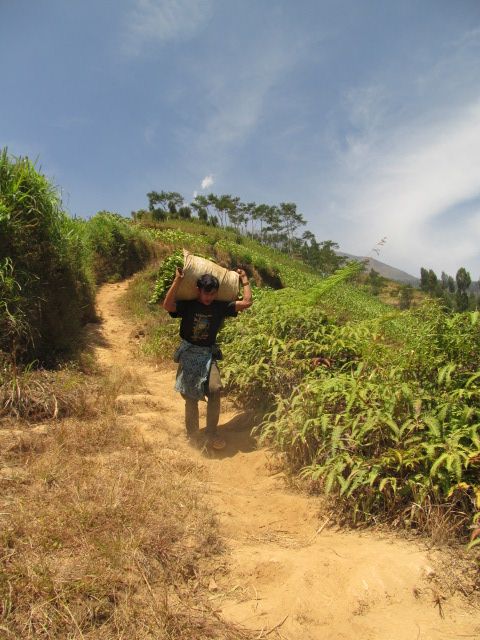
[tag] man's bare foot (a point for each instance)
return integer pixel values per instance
(216, 442)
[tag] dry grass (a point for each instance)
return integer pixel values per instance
(158, 332)
(443, 523)
(103, 537)
(43, 395)
(40, 395)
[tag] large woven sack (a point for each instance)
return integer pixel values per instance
(194, 267)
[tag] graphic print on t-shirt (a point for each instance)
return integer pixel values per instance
(201, 325)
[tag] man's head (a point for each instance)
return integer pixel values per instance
(208, 287)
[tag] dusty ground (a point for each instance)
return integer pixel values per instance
(286, 573)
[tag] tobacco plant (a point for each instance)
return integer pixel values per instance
(380, 411)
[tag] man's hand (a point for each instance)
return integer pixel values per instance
(179, 273)
(241, 305)
(243, 277)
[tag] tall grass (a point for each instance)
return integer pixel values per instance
(118, 248)
(46, 281)
(50, 263)
(159, 331)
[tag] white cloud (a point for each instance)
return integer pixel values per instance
(72, 122)
(468, 39)
(207, 182)
(409, 189)
(163, 21)
(237, 93)
(407, 165)
(149, 133)
(366, 112)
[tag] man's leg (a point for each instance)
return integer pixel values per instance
(191, 416)
(213, 402)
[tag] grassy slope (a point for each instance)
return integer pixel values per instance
(225, 246)
(375, 406)
(85, 488)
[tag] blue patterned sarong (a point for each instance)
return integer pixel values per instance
(195, 363)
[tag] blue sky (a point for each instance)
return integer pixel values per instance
(366, 113)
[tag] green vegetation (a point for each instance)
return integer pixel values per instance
(49, 264)
(273, 225)
(405, 294)
(458, 294)
(117, 248)
(159, 330)
(165, 276)
(46, 287)
(230, 249)
(373, 406)
(375, 281)
(379, 410)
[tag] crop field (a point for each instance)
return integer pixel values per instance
(375, 407)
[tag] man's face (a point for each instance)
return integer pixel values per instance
(207, 297)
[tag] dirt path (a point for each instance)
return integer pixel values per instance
(288, 573)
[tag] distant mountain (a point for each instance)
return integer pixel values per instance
(385, 270)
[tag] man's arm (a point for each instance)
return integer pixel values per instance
(241, 305)
(170, 302)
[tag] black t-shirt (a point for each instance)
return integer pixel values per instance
(200, 323)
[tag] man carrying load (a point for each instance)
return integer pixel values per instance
(198, 374)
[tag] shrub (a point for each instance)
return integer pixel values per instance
(166, 275)
(45, 279)
(376, 408)
(119, 248)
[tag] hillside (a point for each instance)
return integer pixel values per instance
(282, 554)
(385, 270)
(378, 374)
(114, 527)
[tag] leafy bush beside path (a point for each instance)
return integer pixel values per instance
(382, 412)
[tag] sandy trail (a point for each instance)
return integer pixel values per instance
(288, 575)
